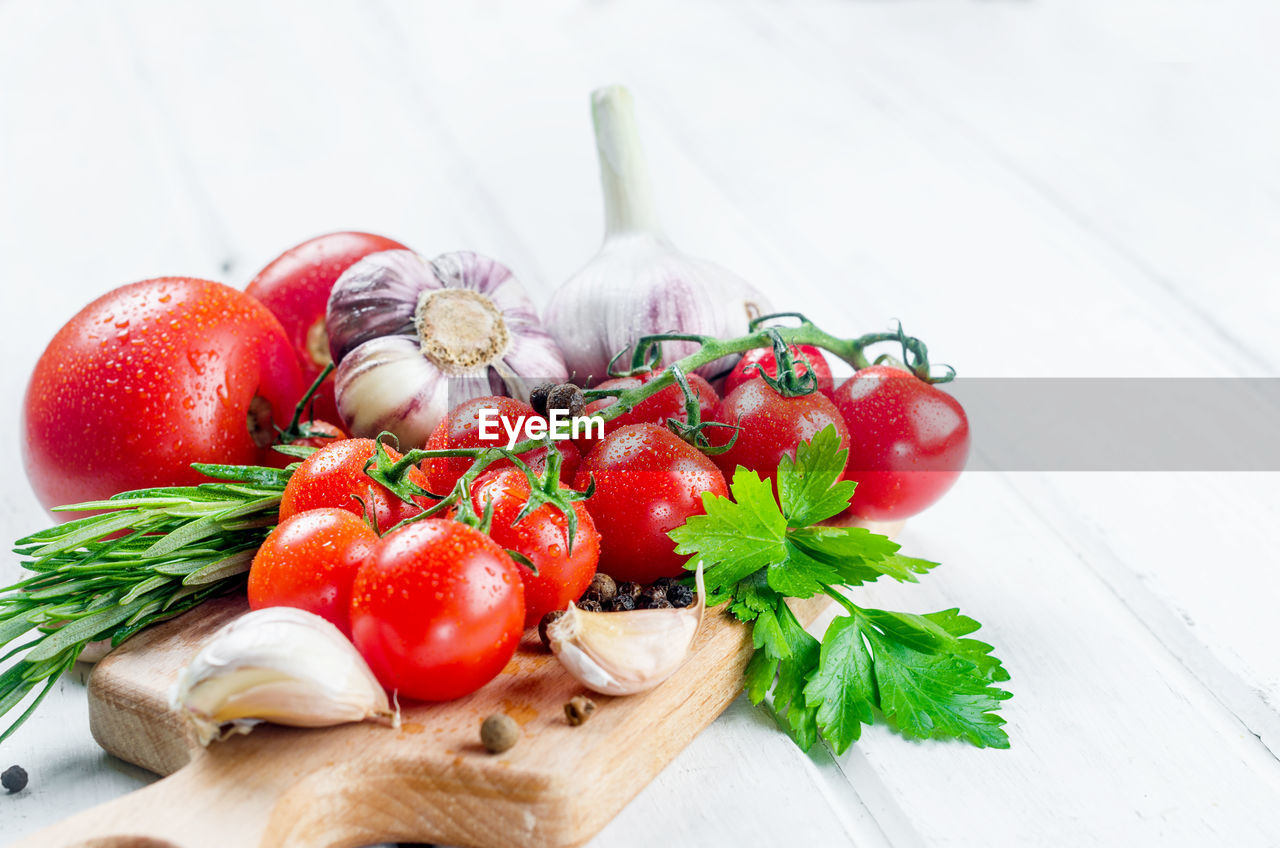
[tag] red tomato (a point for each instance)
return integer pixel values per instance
(911, 440)
(648, 481)
(461, 429)
(150, 378)
(334, 477)
(323, 435)
(542, 536)
(309, 561)
(748, 367)
(296, 286)
(667, 403)
(438, 610)
(771, 426)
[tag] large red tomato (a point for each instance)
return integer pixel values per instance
(296, 286)
(648, 481)
(770, 426)
(542, 536)
(909, 442)
(437, 611)
(150, 378)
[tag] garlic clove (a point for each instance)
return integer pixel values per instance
(279, 665)
(622, 653)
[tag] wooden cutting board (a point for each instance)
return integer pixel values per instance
(428, 781)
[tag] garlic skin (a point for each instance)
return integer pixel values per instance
(413, 338)
(623, 653)
(279, 665)
(639, 283)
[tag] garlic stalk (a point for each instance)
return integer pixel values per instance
(414, 338)
(622, 653)
(279, 665)
(639, 283)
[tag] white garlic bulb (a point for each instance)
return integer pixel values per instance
(278, 665)
(625, 652)
(639, 283)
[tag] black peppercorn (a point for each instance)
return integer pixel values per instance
(629, 588)
(538, 397)
(621, 603)
(665, 583)
(650, 596)
(14, 779)
(591, 605)
(680, 595)
(547, 621)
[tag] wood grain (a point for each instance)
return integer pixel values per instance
(428, 781)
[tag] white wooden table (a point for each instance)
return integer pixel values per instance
(1084, 188)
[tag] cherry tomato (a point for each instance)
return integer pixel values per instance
(322, 435)
(461, 429)
(542, 536)
(911, 440)
(748, 367)
(296, 286)
(667, 403)
(438, 610)
(334, 477)
(150, 378)
(309, 561)
(648, 481)
(770, 426)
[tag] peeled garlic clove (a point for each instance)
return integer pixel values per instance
(279, 665)
(622, 653)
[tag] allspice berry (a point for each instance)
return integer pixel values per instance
(499, 732)
(579, 709)
(602, 588)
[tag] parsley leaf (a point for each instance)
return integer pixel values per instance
(921, 672)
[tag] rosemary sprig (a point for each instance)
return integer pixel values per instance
(148, 556)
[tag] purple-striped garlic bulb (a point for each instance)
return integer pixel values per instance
(413, 338)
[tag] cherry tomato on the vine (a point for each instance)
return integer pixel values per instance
(667, 403)
(310, 561)
(461, 428)
(295, 286)
(748, 367)
(322, 434)
(334, 477)
(910, 442)
(150, 378)
(438, 610)
(770, 426)
(542, 536)
(648, 481)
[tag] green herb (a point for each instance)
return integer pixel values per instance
(921, 672)
(176, 547)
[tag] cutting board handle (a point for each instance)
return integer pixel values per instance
(188, 809)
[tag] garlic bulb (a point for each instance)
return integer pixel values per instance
(639, 283)
(622, 653)
(413, 338)
(279, 665)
